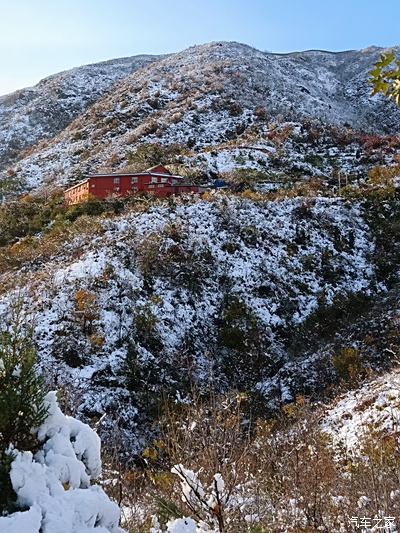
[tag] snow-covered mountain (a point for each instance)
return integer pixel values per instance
(219, 98)
(40, 112)
(148, 300)
(283, 303)
(128, 303)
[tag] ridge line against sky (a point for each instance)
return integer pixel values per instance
(42, 37)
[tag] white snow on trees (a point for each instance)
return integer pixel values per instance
(54, 484)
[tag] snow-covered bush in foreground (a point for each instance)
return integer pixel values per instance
(206, 503)
(180, 525)
(53, 486)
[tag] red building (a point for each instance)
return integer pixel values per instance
(156, 180)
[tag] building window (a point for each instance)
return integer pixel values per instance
(160, 185)
(154, 179)
(116, 181)
(151, 187)
(134, 180)
(135, 189)
(164, 180)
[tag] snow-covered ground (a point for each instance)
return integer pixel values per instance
(374, 407)
(176, 266)
(30, 115)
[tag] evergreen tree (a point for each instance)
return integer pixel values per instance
(21, 395)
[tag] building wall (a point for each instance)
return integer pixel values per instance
(104, 186)
(77, 194)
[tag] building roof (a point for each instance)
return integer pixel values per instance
(131, 174)
(158, 166)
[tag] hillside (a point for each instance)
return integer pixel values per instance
(236, 351)
(126, 305)
(225, 106)
(120, 302)
(272, 303)
(40, 112)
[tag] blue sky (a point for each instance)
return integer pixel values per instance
(41, 37)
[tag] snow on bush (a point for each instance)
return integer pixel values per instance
(54, 484)
(181, 525)
(208, 503)
(194, 495)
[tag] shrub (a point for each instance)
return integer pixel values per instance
(376, 476)
(326, 320)
(92, 206)
(11, 185)
(21, 395)
(383, 217)
(242, 338)
(348, 365)
(145, 375)
(168, 254)
(230, 247)
(146, 334)
(383, 175)
(208, 435)
(244, 178)
(28, 216)
(147, 251)
(261, 113)
(150, 154)
(281, 474)
(372, 142)
(86, 309)
(314, 160)
(235, 109)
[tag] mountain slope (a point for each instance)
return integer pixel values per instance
(211, 95)
(39, 112)
(159, 296)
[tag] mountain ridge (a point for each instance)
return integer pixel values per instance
(31, 114)
(202, 98)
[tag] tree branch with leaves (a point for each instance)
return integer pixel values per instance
(385, 77)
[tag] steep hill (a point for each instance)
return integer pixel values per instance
(42, 111)
(225, 105)
(130, 299)
(246, 337)
(165, 294)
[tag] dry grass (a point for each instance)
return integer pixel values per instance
(280, 475)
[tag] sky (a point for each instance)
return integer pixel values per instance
(42, 37)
